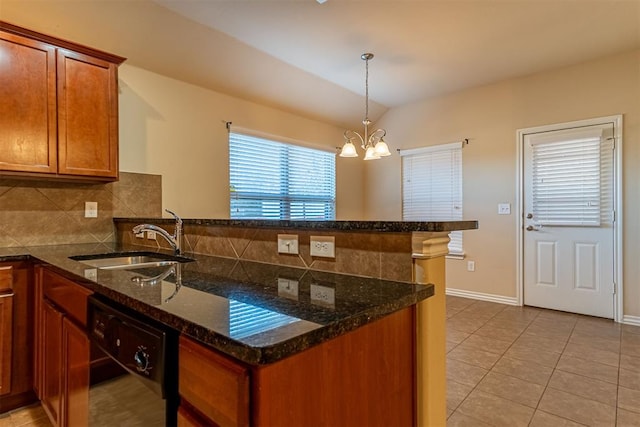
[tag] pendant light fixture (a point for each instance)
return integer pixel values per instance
(373, 144)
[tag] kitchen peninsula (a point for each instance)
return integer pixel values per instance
(342, 347)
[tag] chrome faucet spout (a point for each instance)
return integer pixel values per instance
(175, 239)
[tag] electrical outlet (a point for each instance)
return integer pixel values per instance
(471, 266)
(323, 246)
(91, 274)
(287, 243)
(91, 209)
(151, 235)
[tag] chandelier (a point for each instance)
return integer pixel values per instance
(373, 144)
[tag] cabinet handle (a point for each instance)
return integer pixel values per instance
(9, 294)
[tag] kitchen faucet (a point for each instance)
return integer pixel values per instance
(174, 240)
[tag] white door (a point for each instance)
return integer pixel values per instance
(568, 239)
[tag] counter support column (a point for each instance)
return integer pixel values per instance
(429, 251)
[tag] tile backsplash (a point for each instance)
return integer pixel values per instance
(49, 213)
(370, 254)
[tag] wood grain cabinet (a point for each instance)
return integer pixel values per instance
(62, 349)
(364, 377)
(16, 335)
(58, 107)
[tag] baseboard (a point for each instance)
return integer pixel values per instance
(482, 297)
(631, 320)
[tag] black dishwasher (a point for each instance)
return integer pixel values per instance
(143, 389)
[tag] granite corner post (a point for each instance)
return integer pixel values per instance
(429, 250)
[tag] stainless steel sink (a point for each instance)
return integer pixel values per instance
(129, 260)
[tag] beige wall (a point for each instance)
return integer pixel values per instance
(490, 116)
(177, 130)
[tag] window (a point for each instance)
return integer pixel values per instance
(274, 180)
(571, 175)
(432, 187)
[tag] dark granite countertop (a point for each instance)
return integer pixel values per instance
(298, 308)
(378, 226)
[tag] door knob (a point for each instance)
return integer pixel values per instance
(531, 228)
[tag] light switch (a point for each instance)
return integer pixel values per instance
(504, 208)
(287, 243)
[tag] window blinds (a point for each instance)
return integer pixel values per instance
(274, 180)
(569, 178)
(432, 187)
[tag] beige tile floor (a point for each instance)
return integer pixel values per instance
(29, 416)
(522, 366)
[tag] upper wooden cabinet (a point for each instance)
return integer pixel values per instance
(58, 107)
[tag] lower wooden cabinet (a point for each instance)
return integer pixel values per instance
(52, 366)
(62, 349)
(364, 377)
(16, 335)
(212, 387)
(6, 334)
(75, 384)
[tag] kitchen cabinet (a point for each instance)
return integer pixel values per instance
(58, 108)
(62, 349)
(213, 387)
(6, 334)
(16, 335)
(364, 377)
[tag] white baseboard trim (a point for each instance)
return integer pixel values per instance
(482, 297)
(631, 320)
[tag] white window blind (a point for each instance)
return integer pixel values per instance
(432, 187)
(568, 178)
(274, 180)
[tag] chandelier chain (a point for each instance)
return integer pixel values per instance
(366, 91)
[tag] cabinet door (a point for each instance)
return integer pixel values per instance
(217, 387)
(15, 278)
(52, 362)
(27, 105)
(87, 116)
(76, 357)
(6, 328)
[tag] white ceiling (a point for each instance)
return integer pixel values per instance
(422, 48)
(304, 57)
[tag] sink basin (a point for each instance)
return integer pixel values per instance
(129, 260)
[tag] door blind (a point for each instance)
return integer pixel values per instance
(432, 187)
(568, 179)
(274, 180)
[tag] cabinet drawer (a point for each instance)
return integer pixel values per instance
(69, 296)
(6, 278)
(213, 384)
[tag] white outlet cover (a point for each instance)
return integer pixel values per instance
(287, 243)
(91, 274)
(323, 246)
(91, 209)
(151, 235)
(504, 208)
